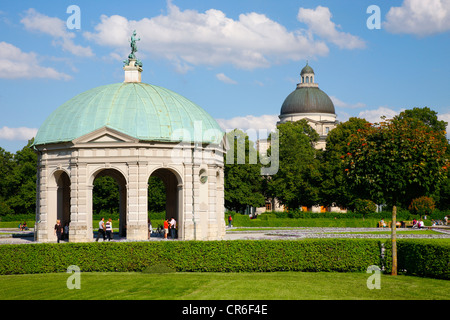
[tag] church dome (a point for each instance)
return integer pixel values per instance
(307, 100)
(307, 69)
(143, 111)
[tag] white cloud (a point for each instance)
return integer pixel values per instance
(21, 133)
(222, 77)
(319, 22)
(446, 117)
(419, 17)
(342, 104)
(15, 64)
(56, 28)
(342, 116)
(190, 38)
(374, 116)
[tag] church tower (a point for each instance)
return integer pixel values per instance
(308, 102)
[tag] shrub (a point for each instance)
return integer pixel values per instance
(425, 257)
(344, 255)
(294, 214)
(157, 215)
(5, 209)
(365, 207)
(422, 206)
(18, 217)
(428, 258)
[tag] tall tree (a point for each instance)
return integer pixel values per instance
(297, 181)
(243, 181)
(396, 160)
(105, 195)
(7, 165)
(21, 181)
(156, 195)
(430, 118)
(334, 189)
(426, 115)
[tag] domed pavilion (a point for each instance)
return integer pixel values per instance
(130, 131)
(308, 102)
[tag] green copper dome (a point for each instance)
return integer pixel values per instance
(307, 100)
(307, 69)
(142, 111)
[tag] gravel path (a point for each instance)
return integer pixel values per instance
(12, 236)
(356, 233)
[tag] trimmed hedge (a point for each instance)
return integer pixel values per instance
(194, 256)
(428, 258)
(425, 257)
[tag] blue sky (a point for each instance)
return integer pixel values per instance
(238, 60)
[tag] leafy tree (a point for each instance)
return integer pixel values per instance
(394, 162)
(422, 206)
(443, 195)
(430, 118)
(105, 195)
(364, 207)
(334, 188)
(426, 115)
(156, 195)
(19, 186)
(297, 181)
(243, 181)
(7, 165)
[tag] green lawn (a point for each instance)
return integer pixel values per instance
(221, 286)
(399, 232)
(244, 221)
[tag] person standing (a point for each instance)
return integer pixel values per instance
(166, 228)
(101, 229)
(66, 231)
(150, 229)
(230, 219)
(173, 226)
(109, 229)
(58, 230)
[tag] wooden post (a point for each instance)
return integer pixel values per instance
(394, 240)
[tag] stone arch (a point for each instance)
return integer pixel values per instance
(58, 204)
(174, 195)
(121, 180)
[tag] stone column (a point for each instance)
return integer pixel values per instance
(41, 224)
(188, 219)
(136, 213)
(220, 203)
(80, 228)
(198, 216)
(213, 227)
